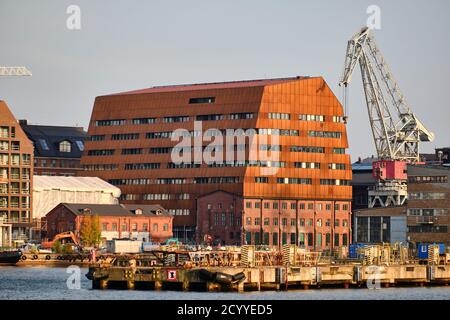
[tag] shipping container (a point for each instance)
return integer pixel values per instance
(422, 249)
(353, 250)
(124, 246)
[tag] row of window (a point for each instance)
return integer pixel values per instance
(293, 222)
(203, 180)
(293, 206)
(427, 212)
(134, 227)
(428, 229)
(213, 148)
(214, 117)
(304, 239)
(428, 179)
(324, 134)
(427, 195)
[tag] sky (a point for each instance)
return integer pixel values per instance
(131, 44)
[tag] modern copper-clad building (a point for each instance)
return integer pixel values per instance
(300, 163)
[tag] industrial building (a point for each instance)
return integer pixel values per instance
(140, 222)
(57, 149)
(308, 173)
(16, 177)
(49, 191)
(428, 207)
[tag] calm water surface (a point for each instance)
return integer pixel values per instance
(26, 283)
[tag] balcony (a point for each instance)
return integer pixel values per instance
(15, 191)
(16, 220)
(15, 162)
(4, 147)
(25, 177)
(25, 206)
(26, 162)
(3, 204)
(25, 191)
(15, 176)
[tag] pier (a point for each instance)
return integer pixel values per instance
(228, 271)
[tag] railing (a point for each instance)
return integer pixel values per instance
(14, 205)
(4, 135)
(25, 177)
(15, 191)
(4, 190)
(15, 147)
(4, 205)
(25, 206)
(15, 163)
(25, 191)
(16, 220)
(4, 148)
(3, 162)
(26, 162)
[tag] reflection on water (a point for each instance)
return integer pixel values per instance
(51, 283)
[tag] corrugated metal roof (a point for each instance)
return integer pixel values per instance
(213, 85)
(86, 184)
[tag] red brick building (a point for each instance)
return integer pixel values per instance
(16, 175)
(131, 146)
(141, 222)
(316, 225)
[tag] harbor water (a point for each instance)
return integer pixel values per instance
(25, 283)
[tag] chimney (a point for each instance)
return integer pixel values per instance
(23, 122)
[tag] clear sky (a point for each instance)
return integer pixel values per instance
(130, 44)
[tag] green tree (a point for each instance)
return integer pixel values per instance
(57, 247)
(90, 232)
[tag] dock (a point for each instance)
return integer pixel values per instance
(253, 271)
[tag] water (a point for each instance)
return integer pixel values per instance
(33, 283)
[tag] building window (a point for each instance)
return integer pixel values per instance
(311, 206)
(310, 222)
(166, 227)
(293, 206)
(319, 222)
(124, 227)
(344, 239)
(302, 222)
(310, 239)
(328, 207)
(275, 238)
(337, 223)
(114, 227)
(319, 239)
(248, 221)
(328, 223)
(284, 221)
(224, 219)
(344, 223)
(257, 221)
(155, 227)
(266, 205)
(134, 227)
(336, 240)
(327, 239)
(301, 239)
(302, 206)
(202, 100)
(275, 221)
(266, 221)
(231, 219)
(257, 205)
(104, 227)
(65, 146)
(248, 205)
(145, 227)
(275, 205)
(345, 207)
(293, 221)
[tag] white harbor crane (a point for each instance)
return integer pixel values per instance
(14, 71)
(396, 130)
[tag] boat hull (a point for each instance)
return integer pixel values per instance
(9, 257)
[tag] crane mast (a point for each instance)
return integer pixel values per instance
(397, 132)
(14, 71)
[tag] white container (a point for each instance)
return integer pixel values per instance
(124, 246)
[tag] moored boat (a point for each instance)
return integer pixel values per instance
(10, 257)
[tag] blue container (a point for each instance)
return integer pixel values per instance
(353, 250)
(423, 250)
